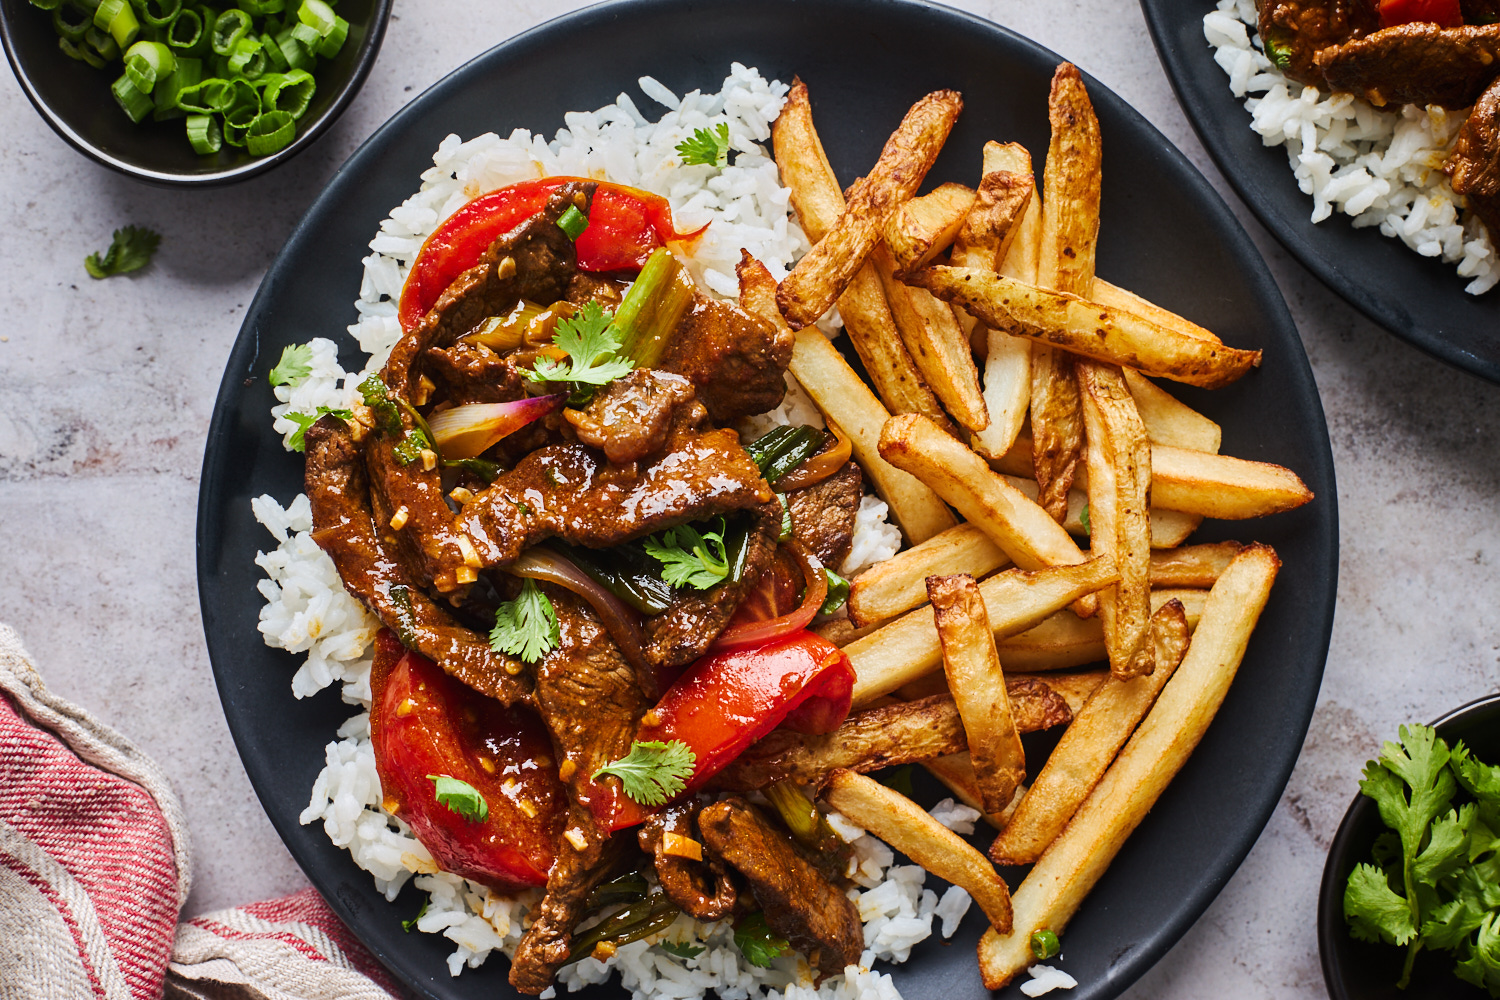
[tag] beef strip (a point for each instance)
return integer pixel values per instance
(799, 903)
(703, 889)
(343, 526)
(584, 288)
(1475, 162)
(569, 491)
(587, 695)
(471, 373)
(1301, 28)
(823, 514)
(630, 418)
(735, 360)
(1416, 64)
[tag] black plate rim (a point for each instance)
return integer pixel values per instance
(369, 50)
(1295, 234)
(1162, 938)
(1331, 926)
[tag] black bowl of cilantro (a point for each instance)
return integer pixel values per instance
(219, 91)
(1426, 824)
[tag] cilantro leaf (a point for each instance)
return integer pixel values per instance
(1447, 847)
(526, 627)
(690, 559)
(1374, 911)
(1279, 53)
(460, 796)
(411, 446)
(130, 250)
(1083, 519)
(710, 149)
(592, 343)
(378, 398)
(652, 772)
(757, 942)
(407, 925)
(294, 366)
(681, 949)
(298, 440)
(1482, 966)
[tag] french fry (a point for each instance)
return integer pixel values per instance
(1111, 295)
(820, 277)
(898, 584)
(1169, 421)
(842, 631)
(908, 828)
(957, 772)
(937, 344)
(1192, 565)
(1068, 869)
(994, 218)
(1066, 642)
(977, 681)
(819, 202)
(1016, 600)
(920, 229)
(1090, 743)
(1197, 482)
(1056, 426)
(1119, 466)
(1169, 528)
(1073, 687)
(849, 403)
(1087, 328)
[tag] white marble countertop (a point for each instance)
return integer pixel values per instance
(106, 390)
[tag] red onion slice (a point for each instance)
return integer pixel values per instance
(542, 563)
(467, 431)
(755, 633)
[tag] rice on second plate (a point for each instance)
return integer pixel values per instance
(308, 612)
(1382, 166)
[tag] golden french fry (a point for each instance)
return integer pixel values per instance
(1056, 427)
(1169, 528)
(758, 290)
(920, 229)
(820, 277)
(1119, 466)
(1169, 421)
(819, 202)
(1197, 482)
(898, 584)
(1090, 743)
(908, 828)
(1111, 295)
(1073, 687)
(1068, 869)
(1065, 642)
(849, 403)
(1087, 328)
(1192, 565)
(978, 684)
(993, 221)
(937, 344)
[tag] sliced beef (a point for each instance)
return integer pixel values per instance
(800, 904)
(411, 495)
(703, 889)
(1416, 64)
(1475, 162)
(471, 373)
(630, 418)
(1301, 28)
(735, 360)
(570, 491)
(584, 288)
(343, 526)
(823, 514)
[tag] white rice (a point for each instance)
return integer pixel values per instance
(1381, 166)
(308, 611)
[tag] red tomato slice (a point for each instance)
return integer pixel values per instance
(423, 722)
(1444, 13)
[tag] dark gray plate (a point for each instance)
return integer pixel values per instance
(1419, 299)
(865, 61)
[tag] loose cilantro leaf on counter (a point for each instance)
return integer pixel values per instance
(652, 772)
(710, 149)
(461, 797)
(298, 440)
(294, 366)
(526, 627)
(690, 559)
(130, 250)
(757, 942)
(681, 949)
(592, 343)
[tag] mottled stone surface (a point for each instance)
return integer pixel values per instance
(106, 390)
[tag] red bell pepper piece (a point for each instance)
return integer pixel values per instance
(726, 701)
(625, 225)
(423, 722)
(1444, 13)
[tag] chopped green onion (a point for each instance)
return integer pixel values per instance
(231, 26)
(102, 43)
(1044, 944)
(147, 62)
(135, 104)
(45, 4)
(653, 307)
(270, 133)
(72, 21)
(290, 92)
(247, 60)
(317, 15)
(117, 18)
(203, 132)
(159, 13)
(293, 51)
(334, 40)
(263, 7)
(307, 37)
(207, 97)
(141, 73)
(187, 73)
(573, 222)
(274, 55)
(83, 53)
(187, 31)
(838, 592)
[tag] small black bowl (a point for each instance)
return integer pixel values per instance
(1359, 970)
(75, 100)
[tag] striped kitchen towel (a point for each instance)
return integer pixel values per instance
(95, 867)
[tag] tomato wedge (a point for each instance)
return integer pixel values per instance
(625, 225)
(423, 722)
(1444, 13)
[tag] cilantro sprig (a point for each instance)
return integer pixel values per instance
(690, 558)
(681, 949)
(592, 343)
(1435, 879)
(294, 366)
(526, 627)
(131, 249)
(706, 148)
(757, 942)
(653, 771)
(298, 440)
(460, 797)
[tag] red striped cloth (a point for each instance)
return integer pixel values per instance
(94, 869)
